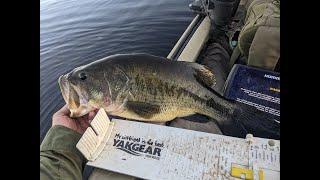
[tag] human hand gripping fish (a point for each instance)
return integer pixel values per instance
(79, 124)
(150, 88)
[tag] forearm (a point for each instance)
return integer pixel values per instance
(59, 158)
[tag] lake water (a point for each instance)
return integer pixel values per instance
(76, 32)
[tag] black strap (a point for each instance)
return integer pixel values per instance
(277, 68)
(234, 57)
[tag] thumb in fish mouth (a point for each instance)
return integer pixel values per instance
(78, 112)
(88, 117)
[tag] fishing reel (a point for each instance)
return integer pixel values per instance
(203, 7)
(220, 11)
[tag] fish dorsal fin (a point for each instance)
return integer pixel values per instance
(142, 109)
(204, 76)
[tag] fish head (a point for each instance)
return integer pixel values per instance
(85, 89)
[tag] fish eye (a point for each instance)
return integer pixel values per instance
(83, 76)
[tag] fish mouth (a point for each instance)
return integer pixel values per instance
(76, 102)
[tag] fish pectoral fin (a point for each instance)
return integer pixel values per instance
(142, 109)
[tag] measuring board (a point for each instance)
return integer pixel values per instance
(152, 151)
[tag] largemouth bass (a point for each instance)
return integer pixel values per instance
(150, 88)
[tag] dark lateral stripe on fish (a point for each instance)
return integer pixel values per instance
(171, 90)
(142, 109)
(222, 109)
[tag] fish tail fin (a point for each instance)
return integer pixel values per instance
(256, 122)
(238, 119)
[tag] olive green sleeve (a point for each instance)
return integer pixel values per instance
(59, 158)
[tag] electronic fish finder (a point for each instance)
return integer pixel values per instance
(255, 87)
